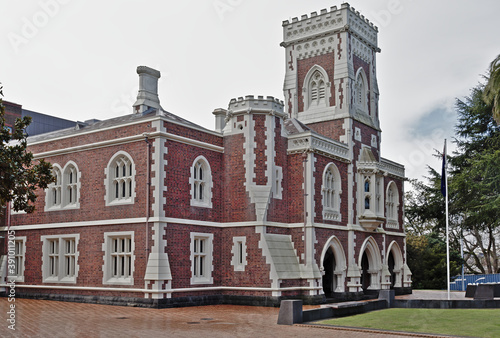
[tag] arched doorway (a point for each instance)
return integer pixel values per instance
(334, 267)
(365, 276)
(370, 263)
(391, 264)
(329, 278)
(395, 264)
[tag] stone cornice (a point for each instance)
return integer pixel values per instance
(392, 168)
(309, 142)
(385, 167)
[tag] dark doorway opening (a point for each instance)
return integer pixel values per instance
(365, 276)
(329, 279)
(390, 263)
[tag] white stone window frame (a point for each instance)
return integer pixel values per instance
(361, 90)
(278, 182)
(207, 276)
(53, 192)
(331, 195)
(239, 253)
(60, 257)
(18, 255)
(107, 267)
(307, 89)
(206, 182)
(57, 194)
(110, 179)
(392, 205)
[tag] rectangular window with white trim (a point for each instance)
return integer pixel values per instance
(201, 248)
(119, 258)
(239, 253)
(16, 258)
(60, 258)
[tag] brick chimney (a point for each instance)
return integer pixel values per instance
(147, 96)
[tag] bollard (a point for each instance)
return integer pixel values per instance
(290, 312)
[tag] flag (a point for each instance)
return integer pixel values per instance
(443, 172)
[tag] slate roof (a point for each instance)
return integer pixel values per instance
(94, 125)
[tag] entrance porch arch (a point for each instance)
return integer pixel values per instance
(370, 264)
(395, 264)
(333, 265)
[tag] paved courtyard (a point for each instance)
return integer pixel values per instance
(42, 318)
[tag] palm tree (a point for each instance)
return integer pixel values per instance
(492, 89)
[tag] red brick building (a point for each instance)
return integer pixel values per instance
(283, 199)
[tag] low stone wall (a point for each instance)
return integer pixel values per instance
(291, 310)
(446, 304)
(343, 310)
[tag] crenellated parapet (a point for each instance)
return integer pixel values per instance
(313, 34)
(260, 104)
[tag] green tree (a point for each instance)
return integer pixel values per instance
(474, 190)
(425, 226)
(426, 256)
(476, 179)
(20, 175)
(492, 89)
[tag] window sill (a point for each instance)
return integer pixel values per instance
(120, 202)
(119, 281)
(201, 204)
(197, 281)
(65, 280)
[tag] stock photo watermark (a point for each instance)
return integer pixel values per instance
(222, 7)
(32, 25)
(384, 17)
(11, 280)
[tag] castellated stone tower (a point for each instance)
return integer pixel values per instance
(254, 142)
(331, 72)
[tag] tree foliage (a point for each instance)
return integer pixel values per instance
(476, 178)
(426, 256)
(20, 175)
(492, 89)
(473, 193)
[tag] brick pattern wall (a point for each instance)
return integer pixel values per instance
(180, 159)
(278, 208)
(91, 255)
(194, 134)
(92, 165)
(236, 202)
(260, 149)
(256, 272)
(295, 176)
(332, 129)
(366, 139)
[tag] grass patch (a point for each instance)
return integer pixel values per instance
(453, 322)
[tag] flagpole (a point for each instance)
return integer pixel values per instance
(447, 223)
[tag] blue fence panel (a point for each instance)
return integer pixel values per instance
(456, 282)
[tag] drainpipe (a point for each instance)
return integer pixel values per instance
(148, 189)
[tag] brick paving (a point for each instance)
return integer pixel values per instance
(43, 318)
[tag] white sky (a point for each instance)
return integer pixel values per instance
(77, 59)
